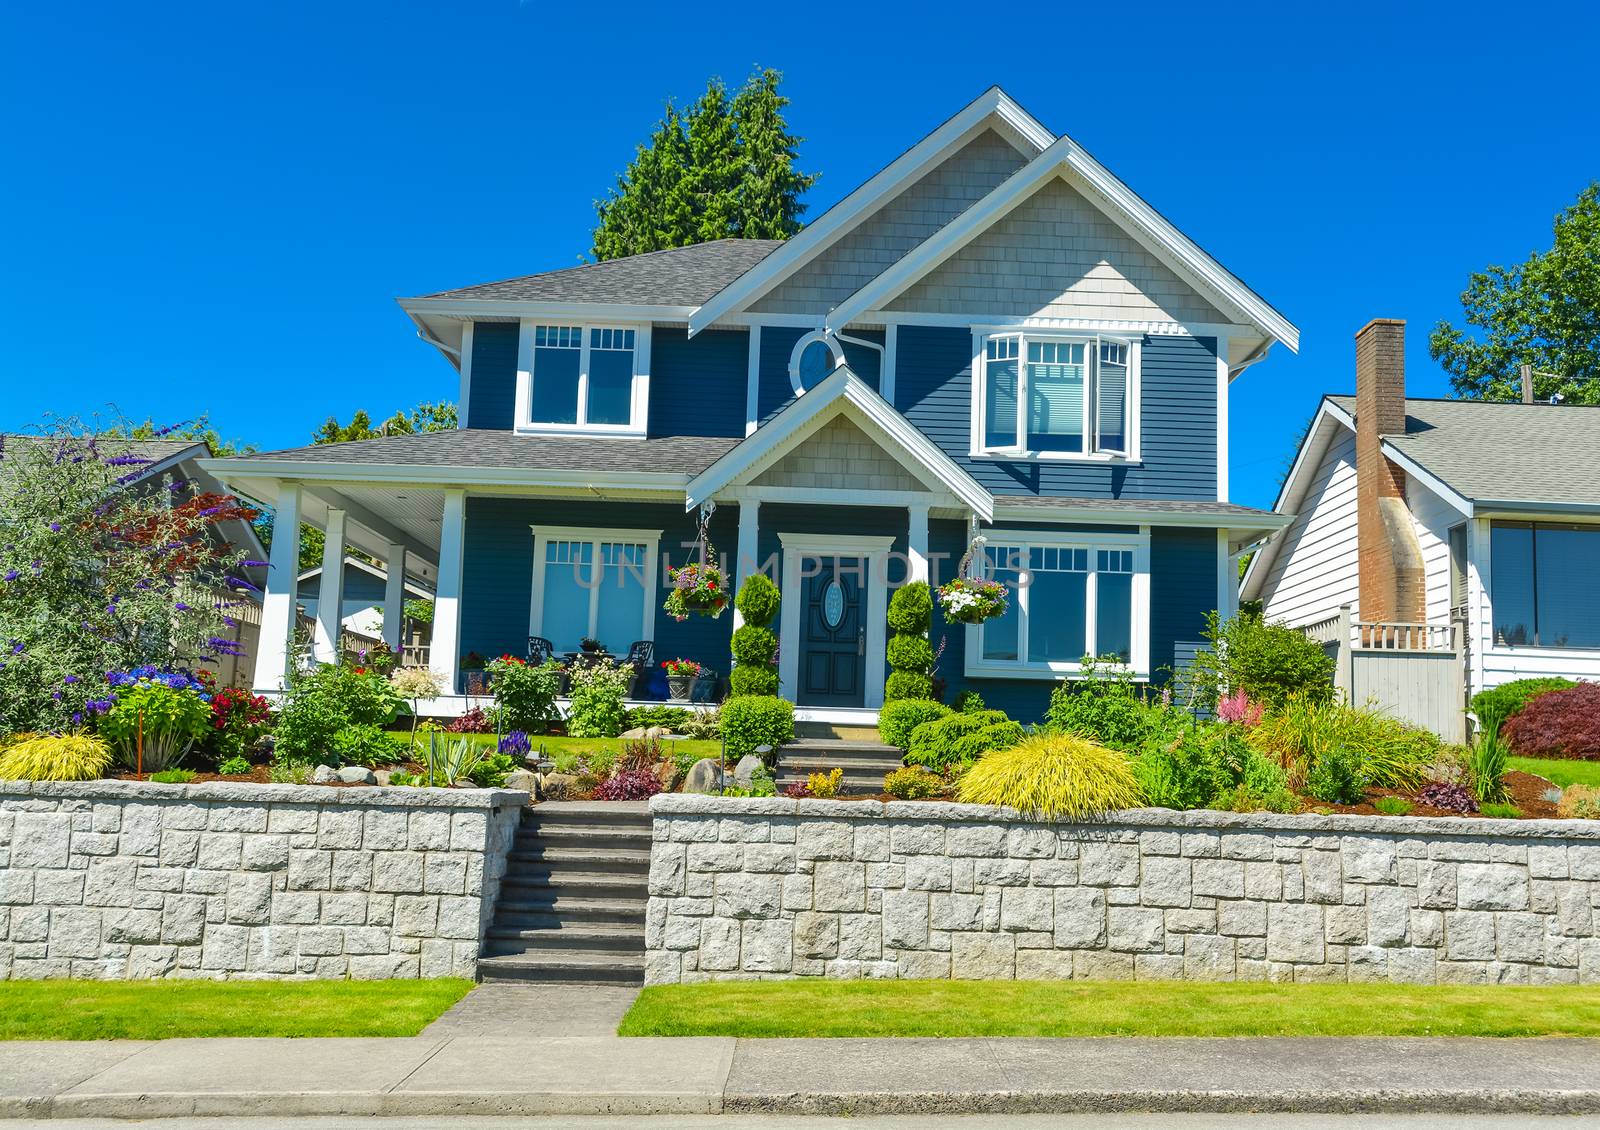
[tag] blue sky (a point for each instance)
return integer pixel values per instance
(211, 207)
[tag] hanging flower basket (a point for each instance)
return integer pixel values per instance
(698, 589)
(971, 600)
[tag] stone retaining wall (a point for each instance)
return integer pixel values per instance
(115, 879)
(752, 889)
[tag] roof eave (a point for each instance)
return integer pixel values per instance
(256, 467)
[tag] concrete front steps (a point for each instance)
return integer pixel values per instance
(865, 763)
(572, 902)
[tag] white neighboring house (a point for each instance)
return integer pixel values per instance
(1444, 511)
(365, 607)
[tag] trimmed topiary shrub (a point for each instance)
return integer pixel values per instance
(1562, 723)
(910, 654)
(753, 720)
(899, 718)
(755, 647)
(1053, 776)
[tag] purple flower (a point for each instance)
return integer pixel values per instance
(56, 695)
(16, 648)
(55, 527)
(180, 607)
(70, 679)
(126, 461)
(77, 717)
(254, 564)
(12, 574)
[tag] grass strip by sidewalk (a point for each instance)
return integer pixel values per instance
(1560, 771)
(1111, 1008)
(165, 1010)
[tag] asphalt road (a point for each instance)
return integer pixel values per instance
(898, 1122)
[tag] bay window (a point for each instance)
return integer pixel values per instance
(1048, 396)
(595, 584)
(1070, 596)
(582, 378)
(1541, 579)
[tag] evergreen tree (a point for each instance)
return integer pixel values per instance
(770, 188)
(725, 169)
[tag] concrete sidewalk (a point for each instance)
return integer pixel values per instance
(487, 1075)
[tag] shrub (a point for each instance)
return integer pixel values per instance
(755, 647)
(166, 712)
(364, 745)
(473, 720)
(447, 761)
(898, 718)
(525, 695)
(1336, 776)
(968, 701)
(1392, 805)
(674, 718)
(234, 767)
(912, 783)
(598, 690)
(1389, 753)
(1487, 765)
(1564, 723)
(752, 680)
(825, 785)
(1501, 811)
(1002, 735)
(755, 720)
(319, 705)
(1269, 662)
(933, 744)
(1579, 802)
(70, 757)
(1102, 705)
(289, 772)
(911, 656)
(1448, 797)
(797, 790)
(173, 776)
(1494, 706)
(1181, 774)
(1262, 786)
(1052, 776)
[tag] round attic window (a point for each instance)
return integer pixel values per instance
(815, 356)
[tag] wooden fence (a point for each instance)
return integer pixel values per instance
(1415, 672)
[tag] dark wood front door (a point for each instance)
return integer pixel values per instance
(833, 659)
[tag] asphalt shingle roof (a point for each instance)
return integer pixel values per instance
(1495, 451)
(680, 276)
(483, 447)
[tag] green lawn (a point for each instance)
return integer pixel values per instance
(164, 1010)
(1080, 1008)
(1560, 770)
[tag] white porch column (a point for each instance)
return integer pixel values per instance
(394, 598)
(330, 594)
(744, 562)
(445, 652)
(917, 544)
(277, 602)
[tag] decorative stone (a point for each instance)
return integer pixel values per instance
(705, 776)
(324, 775)
(744, 772)
(522, 780)
(557, 786)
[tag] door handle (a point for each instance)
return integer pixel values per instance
(861, 641)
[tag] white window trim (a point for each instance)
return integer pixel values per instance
(1090, 340)
(1138, 665)
(543, 535)
(799, 350)
(640, 401)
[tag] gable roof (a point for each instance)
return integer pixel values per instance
(841, 390)
(678, 276)
(993, 106)
(1500, 454)
(1065, 157)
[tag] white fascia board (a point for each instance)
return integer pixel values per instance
(438, 476)
(1427, 478)
(371, 571)
(1138, 218)
(1132, 516)
(818, 235)
(841, 388)
(517, 308)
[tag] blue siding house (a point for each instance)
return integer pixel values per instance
(993, 346)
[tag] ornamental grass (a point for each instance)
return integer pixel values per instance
(71, 757)
(1053, 776)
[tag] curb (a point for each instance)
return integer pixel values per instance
(444, 1104)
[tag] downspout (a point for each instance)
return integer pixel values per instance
(423, 333)
(883, 354)
(1259, 353)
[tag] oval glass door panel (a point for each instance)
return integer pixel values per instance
(833, 604)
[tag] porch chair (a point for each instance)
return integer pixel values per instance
(639, 657)
(539, 650)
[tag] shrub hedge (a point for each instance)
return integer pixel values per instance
(755, 720)
(1564, 723)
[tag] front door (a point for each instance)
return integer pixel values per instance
(833, 633)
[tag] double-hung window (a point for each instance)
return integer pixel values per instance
(1056, 397)
(583, 378)
(594, 584)
(1070, 596)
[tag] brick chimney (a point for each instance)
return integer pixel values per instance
(1390, 559)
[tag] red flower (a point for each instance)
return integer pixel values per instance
(361, 670)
